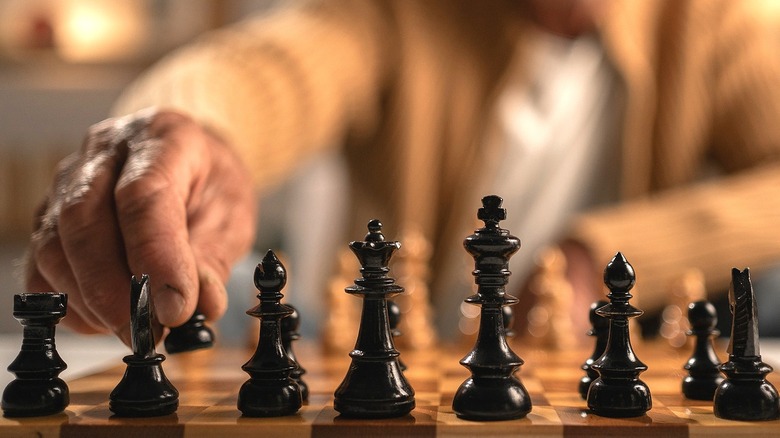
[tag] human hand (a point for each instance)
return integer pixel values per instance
(151, 193)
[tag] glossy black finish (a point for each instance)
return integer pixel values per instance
(289, 334)
(144, 391)
(745, 394)
(599, 330)
(508, 319)
(618, 391)
(37, 390)
(394, 319)
(492, 392)
(270, 390)
(703, 375)
(375, 386)
(192, 335)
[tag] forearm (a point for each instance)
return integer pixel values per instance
(715, 226)
(277, 88)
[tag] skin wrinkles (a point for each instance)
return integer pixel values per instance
(155, 193)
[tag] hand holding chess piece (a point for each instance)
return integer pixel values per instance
(176, 187)
(144, 391)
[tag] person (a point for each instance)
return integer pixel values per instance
(649, 126)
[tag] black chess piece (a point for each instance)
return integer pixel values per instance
(618, 391)
(599, 330)
(508, 319)
(394, 319)
(375, 386)
(289, 334)
(703, 375)
(37, 390)
(745, 394)
(492, 392)
(190, 336)
(270, 390)
(144, 391)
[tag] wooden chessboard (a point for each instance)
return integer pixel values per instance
(208, 383)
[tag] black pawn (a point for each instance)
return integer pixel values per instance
(508, 319)
(375, 386)
(192, 335)
(745, 394)
(600, 330)
(144, 391)
(618, 391)
(270, 390)
(289, 334)
(703, 375)
(394, 318)
(492, 392)
(37, 390)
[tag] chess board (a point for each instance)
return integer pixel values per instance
(208, 383)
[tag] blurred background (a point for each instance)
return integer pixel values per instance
(62, 65)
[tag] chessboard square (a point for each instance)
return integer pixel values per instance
(103, 430)
(566, 399)
(666, 385)
(732, 429)
(421, 422)
(225, 420)
(427, 398)
(36, 429)
(704, 423)
(543, 419)
(532, 384)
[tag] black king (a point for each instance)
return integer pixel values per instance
(492, 392)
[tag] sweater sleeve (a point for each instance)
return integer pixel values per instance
(730, 221)
(278, 88)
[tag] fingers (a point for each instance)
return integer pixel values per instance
(154, 195)
(91, 240)
(219, 240)
(151, 205)
(74, 320)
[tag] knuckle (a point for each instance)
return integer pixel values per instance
(132, 194)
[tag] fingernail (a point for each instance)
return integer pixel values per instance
(168, 308)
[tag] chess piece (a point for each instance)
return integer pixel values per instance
(599, 330)
(618, 391)
(745, 394)
(343, 313)
(549, 320)
(703, 375)
(37, 390)
(394, 319)
(289, 334)
(508, 320)
(492, 392)
(192, 335)
(144, 391)
(412, 268)
(686, 288)
(270, 390)
(374, 386)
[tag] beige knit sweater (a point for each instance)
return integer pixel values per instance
(405, 88)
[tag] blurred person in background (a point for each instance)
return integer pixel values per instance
(648, 127)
